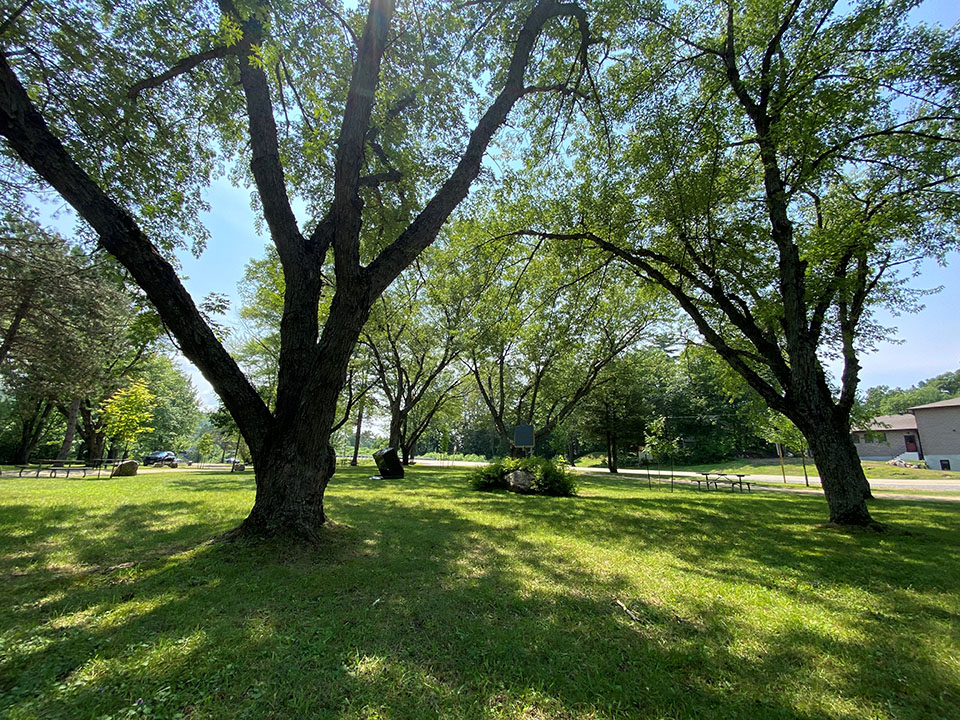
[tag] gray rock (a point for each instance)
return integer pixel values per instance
(127, 468)
(520, 481)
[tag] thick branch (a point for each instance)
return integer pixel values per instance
(423, 230)
(181, 67)
(345, 211)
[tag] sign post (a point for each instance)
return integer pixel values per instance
(523, 437)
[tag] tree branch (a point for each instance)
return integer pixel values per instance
(181, 67)
(423, 230)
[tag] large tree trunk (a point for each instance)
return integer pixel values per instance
(290, 489)
(295, 461)
(396, 422)
(841, 473)
(71, 431)
(92, 435)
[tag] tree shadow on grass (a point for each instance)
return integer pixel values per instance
(201, 480)
(470, 610)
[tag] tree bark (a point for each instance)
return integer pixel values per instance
(71, 430)
(356, 437)
(396, 421)
(290, 490)
(841, 476)
(92, 435)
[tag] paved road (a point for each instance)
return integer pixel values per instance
(792, 480)
(878, 483)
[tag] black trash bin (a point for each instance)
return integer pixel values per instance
(388, 463)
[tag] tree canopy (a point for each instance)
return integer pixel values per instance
(779, 169)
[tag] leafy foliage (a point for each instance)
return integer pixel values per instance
(127, 413)
(883, 400)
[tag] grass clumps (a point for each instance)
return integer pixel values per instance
(549, 477)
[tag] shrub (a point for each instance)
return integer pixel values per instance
(553, 478)
(549, 477)
(488, 477)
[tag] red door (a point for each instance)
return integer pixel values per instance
(911, 442)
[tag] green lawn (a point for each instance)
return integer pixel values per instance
(792, 466)
(427, 600)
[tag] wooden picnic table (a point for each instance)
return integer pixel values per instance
(735, 480)
(53, 468)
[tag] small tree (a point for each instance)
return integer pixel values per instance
(127, 413)
(205, 445)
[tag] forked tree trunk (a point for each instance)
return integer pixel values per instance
(294, 460)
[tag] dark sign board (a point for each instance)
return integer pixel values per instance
(523, 436)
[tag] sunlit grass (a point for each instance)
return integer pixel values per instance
(427, 600)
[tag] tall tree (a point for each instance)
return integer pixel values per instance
(778, 164)
(127, 412)
(75, 327)
(413, 341)
(373, 138)
(544, 326)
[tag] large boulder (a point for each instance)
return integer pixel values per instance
(520, 481)
(127, 468)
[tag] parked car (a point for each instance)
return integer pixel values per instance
(161, 457)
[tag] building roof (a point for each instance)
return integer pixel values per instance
(952, 402)
(903, 421)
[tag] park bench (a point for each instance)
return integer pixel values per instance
(34, 468)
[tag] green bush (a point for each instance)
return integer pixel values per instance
(549, 477)
(488, 477)
(553, 478)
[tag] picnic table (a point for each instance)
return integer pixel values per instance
(735, 480)
(54, 468)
